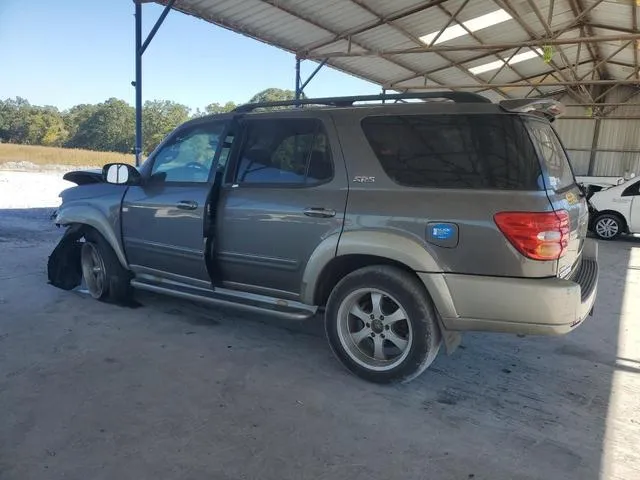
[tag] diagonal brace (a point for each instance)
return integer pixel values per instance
(157, 25)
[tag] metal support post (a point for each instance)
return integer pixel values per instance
(138, 82)
(140, 49)
(594, 145)
(298, 80)
(384, 92)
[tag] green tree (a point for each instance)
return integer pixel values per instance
(75, 116)
(159, 117)
(111, 127)
(14, 120)
(21, 122)
(214, 108)
(45, 126)
(273, 95)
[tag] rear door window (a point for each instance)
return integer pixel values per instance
(558, 174)
(455, 151)
(282, 152)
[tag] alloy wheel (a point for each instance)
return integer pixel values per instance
(93, 271)
(374, 329)
(607, 227)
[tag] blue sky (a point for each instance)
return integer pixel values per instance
(66, 52)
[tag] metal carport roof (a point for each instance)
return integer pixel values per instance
(590, 42)
(499, 48)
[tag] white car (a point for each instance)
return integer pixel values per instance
(616, 210)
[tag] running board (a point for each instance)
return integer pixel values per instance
(248, 302)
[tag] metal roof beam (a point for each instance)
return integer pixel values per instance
(615, 28)
(419, 42)
(278, 4)
(539, 42)
(574, 9)
(439, 69)
(606, 60)
(606, 92)
(552, 4)
(552, 73)
(452, 18)
(614, 107)
(547, 28)
(529, 77)
(578, 8)
(533, 35)
(370, 26)
(571, 83)
(546, 25)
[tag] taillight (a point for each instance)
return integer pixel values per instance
(536, 235)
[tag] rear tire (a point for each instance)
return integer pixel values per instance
(608, 226)
(381, 324)
(102, 272)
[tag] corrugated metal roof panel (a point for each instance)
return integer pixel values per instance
(385, 37)
(614, 13)
(422, 62)
(453, 76)
(294, 25)
(376, 67)
(386, 8)
(623, 56)
(620, 71)
(340, 46)
(335, 14)
(428, 22)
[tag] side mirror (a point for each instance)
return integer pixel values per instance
(121, 174)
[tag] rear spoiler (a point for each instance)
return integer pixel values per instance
(545, 107)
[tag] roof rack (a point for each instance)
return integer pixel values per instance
(547, 107)
(458, 97)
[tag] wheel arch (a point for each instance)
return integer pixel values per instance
(342, 265)
(80, 216)
(341, 254)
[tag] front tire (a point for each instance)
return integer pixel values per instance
(608, 226)
(381, 324)
(103, 275)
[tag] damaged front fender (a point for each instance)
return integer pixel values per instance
(63, 267)
(84, 214)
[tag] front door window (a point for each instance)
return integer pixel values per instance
(188, 155)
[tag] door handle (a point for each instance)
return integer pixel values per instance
(187, 205)
(319, 212)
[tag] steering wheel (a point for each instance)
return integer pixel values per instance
(195, 165)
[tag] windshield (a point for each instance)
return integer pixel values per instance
(557, 171)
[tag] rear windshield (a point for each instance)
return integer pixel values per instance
(558, 174)
(455, 151)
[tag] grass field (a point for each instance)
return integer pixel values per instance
(45, 156)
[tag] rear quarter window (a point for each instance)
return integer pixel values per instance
(558, 174)
(455, 151)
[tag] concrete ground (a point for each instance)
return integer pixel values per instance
(173, 390)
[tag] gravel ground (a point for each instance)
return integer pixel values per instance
(173, 390)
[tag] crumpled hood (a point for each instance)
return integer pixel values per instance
(90, 190)
(84, 177)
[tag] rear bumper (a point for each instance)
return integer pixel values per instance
(547, 306)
